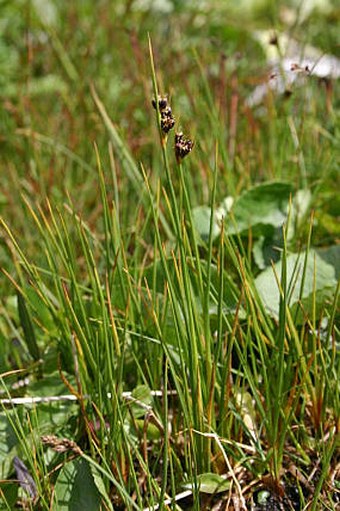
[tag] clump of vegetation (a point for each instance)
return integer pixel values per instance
(169, 308)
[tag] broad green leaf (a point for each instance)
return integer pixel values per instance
(263, 208)
(98, 481)
(316, 288)
(8, 443)
(331, 255)
(210, 483)
(153, 433)
(75, 489)
(142, 395)
(247, 411)
(298, 211)
(201, 217)
(266, 250)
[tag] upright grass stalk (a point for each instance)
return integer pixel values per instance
(279, 366)
(22, 427)
(184, 279)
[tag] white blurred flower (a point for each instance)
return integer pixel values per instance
(291, 63)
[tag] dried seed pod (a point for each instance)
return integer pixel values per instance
(61, 444)
(183, 146)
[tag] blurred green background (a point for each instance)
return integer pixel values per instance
(205, 52)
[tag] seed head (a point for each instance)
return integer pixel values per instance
(61, 444)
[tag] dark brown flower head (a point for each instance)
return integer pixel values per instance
(162, 103)
(166, 112)
(183, 146)
(167, 120)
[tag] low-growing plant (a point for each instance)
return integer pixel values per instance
(191, 359)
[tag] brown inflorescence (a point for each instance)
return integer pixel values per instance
(61, 444)
(183, 146)
(167, 119)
